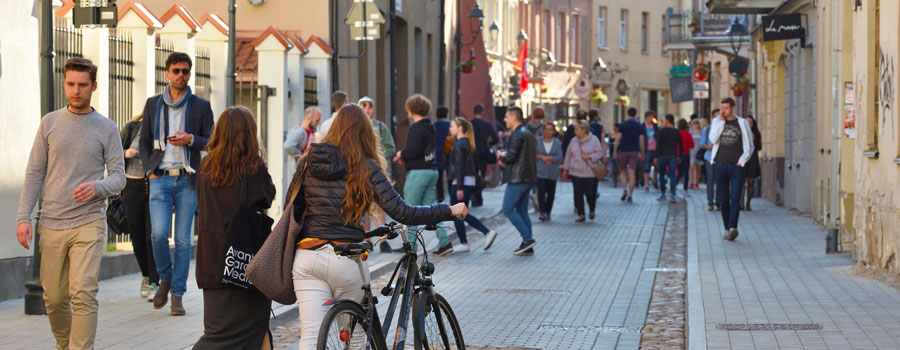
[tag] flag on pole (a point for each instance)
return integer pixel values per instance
(522, 65)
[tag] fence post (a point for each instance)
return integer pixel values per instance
(272, 47)
(141, 25)
(319, 60)
(214, 37)
(96, 49)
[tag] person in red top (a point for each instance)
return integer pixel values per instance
(687, 142)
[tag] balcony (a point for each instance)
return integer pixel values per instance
(706, 31)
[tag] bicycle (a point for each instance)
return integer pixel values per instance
(353, 325)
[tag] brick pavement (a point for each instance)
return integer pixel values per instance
(777, 272)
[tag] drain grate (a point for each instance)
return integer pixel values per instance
(589, 329)
(528, 291)
(664, 269)
(769, 327)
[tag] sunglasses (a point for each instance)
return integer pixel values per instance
(185, 71)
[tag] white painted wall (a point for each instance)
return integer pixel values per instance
(21, 112)
(273, 69)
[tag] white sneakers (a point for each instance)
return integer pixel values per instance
(461, 247)
(489, 239)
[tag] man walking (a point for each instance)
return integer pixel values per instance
(339, 99)
(485, 139)
(596, 126)
(441, 129)
(629, 152)
(710, 169)
(520, 175)
(176, 127)
(669, 147)
(71, 150)
(732, 148)
(650, 156)
(421, 174)
(304, 134)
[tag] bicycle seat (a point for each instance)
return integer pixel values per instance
(352, 249)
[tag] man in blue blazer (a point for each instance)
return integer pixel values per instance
(176, 127)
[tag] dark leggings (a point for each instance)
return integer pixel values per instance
(471, 219)
(135, 199)
(546, 194)
(684, 170)
(585, 187)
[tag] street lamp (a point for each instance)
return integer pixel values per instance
(522, 35)
(494, 29)
(476, 15)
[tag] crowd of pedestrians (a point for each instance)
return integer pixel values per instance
(347, 166)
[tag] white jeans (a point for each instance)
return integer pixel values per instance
(321, 275)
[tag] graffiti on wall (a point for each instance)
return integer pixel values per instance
(886, 92)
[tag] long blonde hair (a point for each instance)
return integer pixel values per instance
(353, 134)
(467, 128)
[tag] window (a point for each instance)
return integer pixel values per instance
(310, 88)
(623, 31)
(601, 28)
(558, 46)
(644, 29)
(573, 40)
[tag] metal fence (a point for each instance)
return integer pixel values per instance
(164, 48)
(67, 44)
(203, 68)
(310, 88)
(121, 79)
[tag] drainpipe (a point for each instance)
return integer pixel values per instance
(836, 130)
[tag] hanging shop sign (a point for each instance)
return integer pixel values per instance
(782, 27)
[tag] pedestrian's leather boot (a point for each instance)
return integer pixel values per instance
(177, 306)
(162, 294)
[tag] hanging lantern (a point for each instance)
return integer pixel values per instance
(701, 73)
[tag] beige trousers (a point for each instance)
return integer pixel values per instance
(70, 265)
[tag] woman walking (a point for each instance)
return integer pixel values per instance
(463, 177)
(696, 164)
(687, 146)
(752, 170)
(233, 317)
(135, 198)
(582, 154)
(343, 178)
(549, 155)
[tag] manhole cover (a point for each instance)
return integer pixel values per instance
(589, 329)
(769, 327)
(528, 291)
(664, 269)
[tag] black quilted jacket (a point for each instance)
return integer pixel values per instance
(323, 194)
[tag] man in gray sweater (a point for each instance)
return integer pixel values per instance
(71, 150)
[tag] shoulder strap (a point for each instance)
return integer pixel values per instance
(296, 184)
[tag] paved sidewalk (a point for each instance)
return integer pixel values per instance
(129, 322)
(777, 272)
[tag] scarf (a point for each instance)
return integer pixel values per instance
(161, 119)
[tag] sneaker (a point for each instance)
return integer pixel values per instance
(489, 239)
(672, 199)
(592, 215)
(446, 249)
(661, 197)
(524, 247)
(630, 200)
(624, 195)
(528, 252)
(151, 291)
(385, 247)
(731, 234)
(145, 287)
(580, 218)
(462, 247)
(709, 207)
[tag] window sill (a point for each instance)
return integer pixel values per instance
(623, 50)
(871, 154)
(603, 48)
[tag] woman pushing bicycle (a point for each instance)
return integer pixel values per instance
(342, 178)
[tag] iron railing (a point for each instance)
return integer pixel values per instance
(164, 48)
(203, 68)
(67, 44)
(310, 88)
(121, 79)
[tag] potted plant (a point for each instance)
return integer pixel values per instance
(624, 100)
(701, 73)
(544, 89)
(467, 66)
(598, 97)
(743, 82)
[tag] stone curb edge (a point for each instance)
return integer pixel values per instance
(696, 318)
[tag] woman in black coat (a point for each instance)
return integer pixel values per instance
(463, 178)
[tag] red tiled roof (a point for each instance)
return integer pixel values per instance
(67, 5)
(142, 12)
(184, 14)
(294, 37)
(216, 21)
(313, 39)
(277, 34)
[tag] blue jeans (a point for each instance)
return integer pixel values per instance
(729, 183)
(670, 162)
(471, 219)
(168, 193)
(515, 207)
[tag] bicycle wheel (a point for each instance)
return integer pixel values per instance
(344, 328)
(435, 325)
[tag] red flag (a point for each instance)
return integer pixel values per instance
(522, 65)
